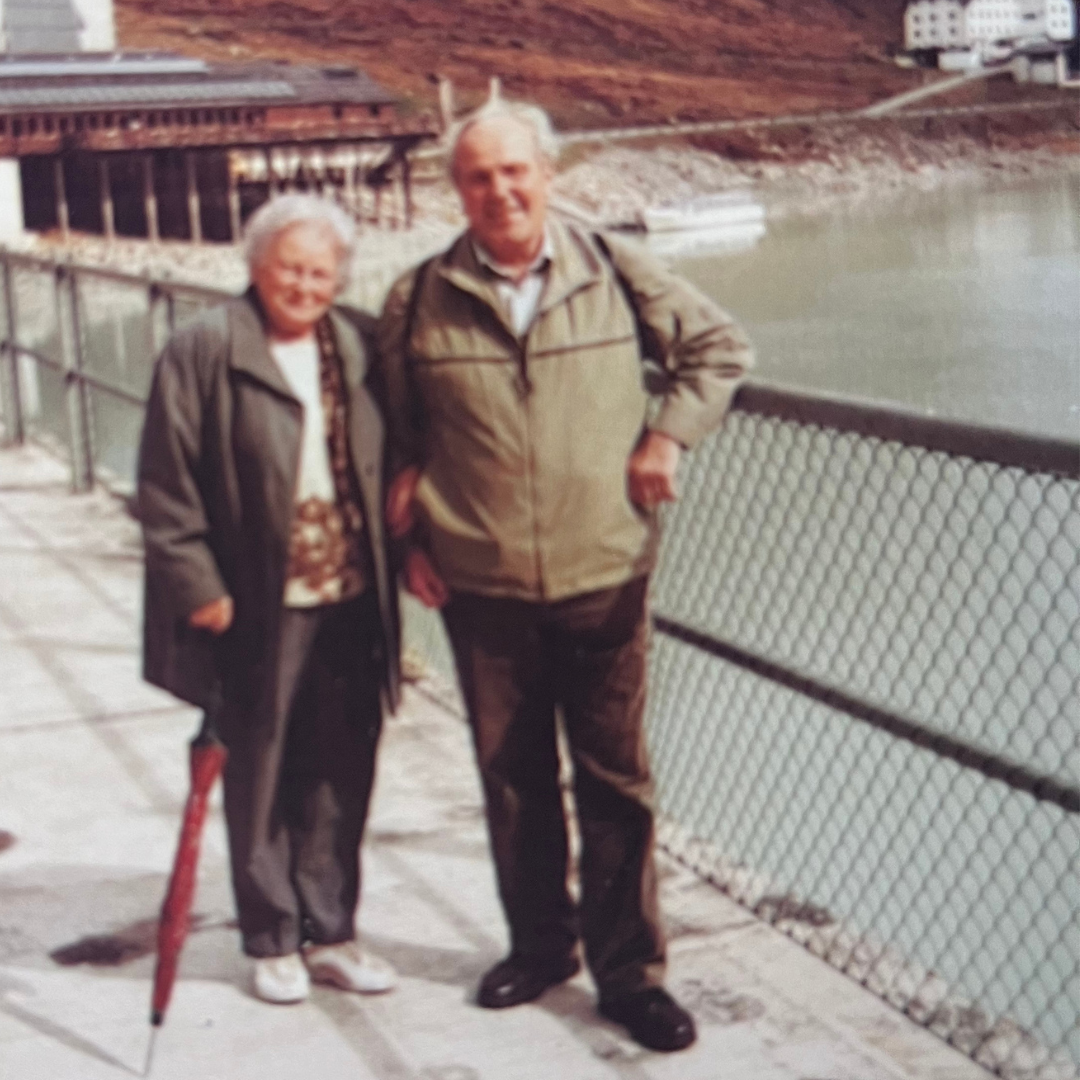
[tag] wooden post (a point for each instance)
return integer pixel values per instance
(406, 187)
(150, 199)
(446, 102)
(350, 182)
(108, 211)
(235, 226)
(63, 216)
(194, 208)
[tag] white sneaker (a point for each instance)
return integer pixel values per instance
(281, 979)
(348, 967)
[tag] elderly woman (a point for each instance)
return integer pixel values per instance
(268, 589)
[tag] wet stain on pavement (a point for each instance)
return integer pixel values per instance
(110, 950)
(121, 947)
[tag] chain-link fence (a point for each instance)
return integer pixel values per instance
(864, 712)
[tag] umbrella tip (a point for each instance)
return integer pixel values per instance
(150, 1049)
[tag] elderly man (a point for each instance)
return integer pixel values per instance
(530, 468)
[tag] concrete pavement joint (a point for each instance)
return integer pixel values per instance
(468, 928)
(133, 764)
(363, 1034)
(58, 1033)
(65, 560)
(103, 719)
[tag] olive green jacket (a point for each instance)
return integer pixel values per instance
(523, 441)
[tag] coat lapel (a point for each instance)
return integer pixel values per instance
(365, 424)
(250, 350)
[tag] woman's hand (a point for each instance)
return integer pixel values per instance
(651, 470)
(399, 502)
(217, 616)
(423, 581)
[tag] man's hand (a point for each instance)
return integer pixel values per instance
(217, 616)
(423, 581)
(651, 470)
(399, 502)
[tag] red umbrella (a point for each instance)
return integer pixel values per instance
(207, 757)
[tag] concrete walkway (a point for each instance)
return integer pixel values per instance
(92, 783)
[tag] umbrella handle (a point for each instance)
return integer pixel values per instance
(208, 730)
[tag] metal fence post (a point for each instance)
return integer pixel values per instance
(11, 388)
(76, 392)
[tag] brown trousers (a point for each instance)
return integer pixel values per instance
(518, 661)
(298, 781)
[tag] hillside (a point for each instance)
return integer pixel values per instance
(592, 62)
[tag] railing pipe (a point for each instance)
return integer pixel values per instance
(76, 391)
(14, 418)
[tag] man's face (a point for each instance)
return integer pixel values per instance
(297, 278)
(504, 182)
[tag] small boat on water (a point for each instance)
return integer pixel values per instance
(718, 240)
(736, 209)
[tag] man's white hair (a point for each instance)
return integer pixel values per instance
(531, 116)
(285, 211)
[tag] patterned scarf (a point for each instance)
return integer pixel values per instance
(328, 556)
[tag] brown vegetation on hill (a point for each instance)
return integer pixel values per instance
(592, 62)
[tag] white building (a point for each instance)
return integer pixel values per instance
(985, 27)
(57, 26)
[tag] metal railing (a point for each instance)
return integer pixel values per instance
(76, 350)
(865, 705)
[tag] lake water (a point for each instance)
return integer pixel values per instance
(962, 304)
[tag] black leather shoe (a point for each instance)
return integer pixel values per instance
(518, 979)
(653, 1018)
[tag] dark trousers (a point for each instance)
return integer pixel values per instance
(517, 662)
(298, 781)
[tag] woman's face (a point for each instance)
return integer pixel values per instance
(297, 278)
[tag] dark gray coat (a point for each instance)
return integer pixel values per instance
(217, 475)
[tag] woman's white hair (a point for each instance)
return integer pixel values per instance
(531, 116)
(285, 211)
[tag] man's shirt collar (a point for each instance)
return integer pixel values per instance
(543, 258)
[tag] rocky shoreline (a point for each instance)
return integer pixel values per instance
(798, 171)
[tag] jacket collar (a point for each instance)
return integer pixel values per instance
(573, 266)
(250, 347)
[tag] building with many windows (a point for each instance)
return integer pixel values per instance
(986, 28)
